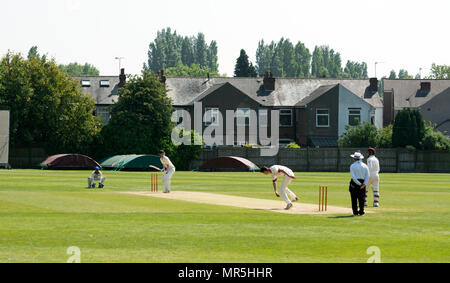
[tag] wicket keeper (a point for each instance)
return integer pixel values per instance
(282, 171)
(96, 176)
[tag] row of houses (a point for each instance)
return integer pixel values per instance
(313, 112)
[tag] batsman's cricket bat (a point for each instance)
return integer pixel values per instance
(156, 168)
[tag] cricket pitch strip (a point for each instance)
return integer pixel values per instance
(245, 202)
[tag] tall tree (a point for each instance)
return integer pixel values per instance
(409, 128)
(187, 51)
(47, 107)
(201, 50)
(303, 61)
(318, 68)
(243, 67)
(212, 57)
(170, 50)
(141, 118)
(355, 70)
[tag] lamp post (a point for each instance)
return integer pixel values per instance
(376, 63)
(120, 62)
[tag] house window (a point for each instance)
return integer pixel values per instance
(104, 115)
(322, 118)
(85, 83)
(211, 116)
(104, 83)
(243, 117)
(286, 117)
(354, 116)
(263, 117)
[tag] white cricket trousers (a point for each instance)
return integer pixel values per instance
(374, 181)
(166, 179)
(285, 192)
(92, 182)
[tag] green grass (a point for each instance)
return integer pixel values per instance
(42, 213)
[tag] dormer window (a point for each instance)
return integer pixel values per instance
(85, 83)
(104, 83)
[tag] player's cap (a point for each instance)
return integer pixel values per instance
(162, 152)
(371, 149)
(357, 155)
(97, 168)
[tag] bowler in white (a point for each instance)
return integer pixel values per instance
(282, 171)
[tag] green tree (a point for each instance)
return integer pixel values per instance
(355, 70)
(47, 107)
(393, 75)
(363, 135)
(193, 71)
(141, 118)
(440, 72)
(182, 155)
(33, 52)
(170, 50)
(403, 75)
(243, 67)
(75, 69)
(303, 61)
(318, 64)
(385, 137)
(435, 140)
(408, 129)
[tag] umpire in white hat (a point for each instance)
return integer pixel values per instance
(360, 177)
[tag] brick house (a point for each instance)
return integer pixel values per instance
(430, 97)
(313, 112)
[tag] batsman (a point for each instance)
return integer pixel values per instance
(168, 170)
(374, 168)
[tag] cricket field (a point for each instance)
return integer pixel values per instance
(44, 213)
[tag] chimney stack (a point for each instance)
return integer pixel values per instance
(122, 78)
(269, 82)
(374, 84)
(162, 76)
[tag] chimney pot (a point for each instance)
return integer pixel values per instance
(269, 82)
(374, 84)
(122, 78)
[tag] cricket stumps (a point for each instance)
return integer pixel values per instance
(154, 182)
(323, 198)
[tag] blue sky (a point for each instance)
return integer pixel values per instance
(403, 34)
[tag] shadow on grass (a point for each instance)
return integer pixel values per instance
(341, 216)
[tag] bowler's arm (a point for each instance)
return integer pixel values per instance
(274, 182)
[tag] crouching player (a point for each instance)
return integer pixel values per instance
(96, 176)
(282, 171)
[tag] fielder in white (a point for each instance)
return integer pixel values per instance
(96, 176)
(282, 171)
(168, 170)
(374, 180)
